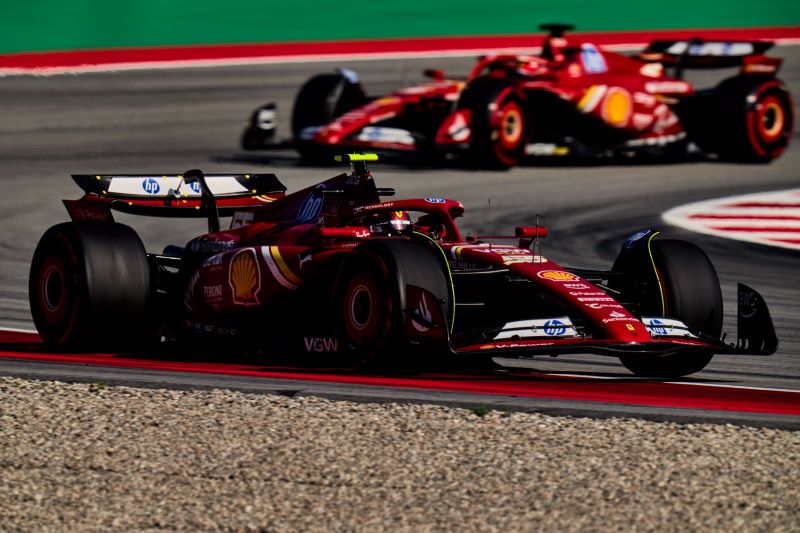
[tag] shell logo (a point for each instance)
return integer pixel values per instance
(617, 107)
(244, 277)
(557, 275)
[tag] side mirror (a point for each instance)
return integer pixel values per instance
(529, 232)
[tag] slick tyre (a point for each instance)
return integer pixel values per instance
(320, 100)
(369, 295)
(367, 313)
(753, 119)
(690, 292)
(499, 123)
(90, 287)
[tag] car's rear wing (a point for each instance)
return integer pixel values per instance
(172, 186)
(698, 53)
(191, 194)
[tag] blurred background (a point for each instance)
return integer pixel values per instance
(45, 25)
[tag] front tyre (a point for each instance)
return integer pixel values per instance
(90, 287)
(690, 292)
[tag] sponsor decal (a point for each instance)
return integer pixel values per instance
(616, 314)
(587, 293)
(748, 304)
(631, 241)
(150, 186)
(459, 130)
(214, 246)
(463, 265)
(321, 344)
(214, 260)
(577, 286)
(555, 327)
(195, 186)
(538, 327)
(279, 269)
(666, 326)
(629, 327)
(517, 259)
(244, 277)
(593, 61)
(657, 327)
(371, 207)
(515, 345)
(212, 291)
(557, 275)
(310, 209)
(603, 306)
(304, 259)
(591, 98)
(664, 118)
(655, 87)
(607, 320)
(435, 200)
(423, 312)
(617, 107)
(596, 299)
(375, 134)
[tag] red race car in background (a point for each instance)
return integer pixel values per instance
(333, 270)
(572, 99)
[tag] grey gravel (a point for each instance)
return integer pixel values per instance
(78, 457)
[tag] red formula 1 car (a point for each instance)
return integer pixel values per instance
(573, 99)
(332, 269)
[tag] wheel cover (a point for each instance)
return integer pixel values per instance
(771, 119)
(365, 316)
(510, 126)
(54, 292)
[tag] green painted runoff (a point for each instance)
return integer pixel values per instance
(42, 25)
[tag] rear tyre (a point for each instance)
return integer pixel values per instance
(691, 293)
(499, 123)
(320, 100)
(752, 119)
(90, 287)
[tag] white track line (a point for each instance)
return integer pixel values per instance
(769, 218)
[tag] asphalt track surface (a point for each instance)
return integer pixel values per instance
(166, 121)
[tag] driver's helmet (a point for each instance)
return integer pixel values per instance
(391, 223)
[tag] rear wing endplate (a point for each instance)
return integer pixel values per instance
(756, 334)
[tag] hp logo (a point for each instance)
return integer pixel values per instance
(150, 186)
(657, 327)
(555, 327)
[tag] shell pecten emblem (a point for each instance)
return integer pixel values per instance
(245, 278)
(557, 275)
